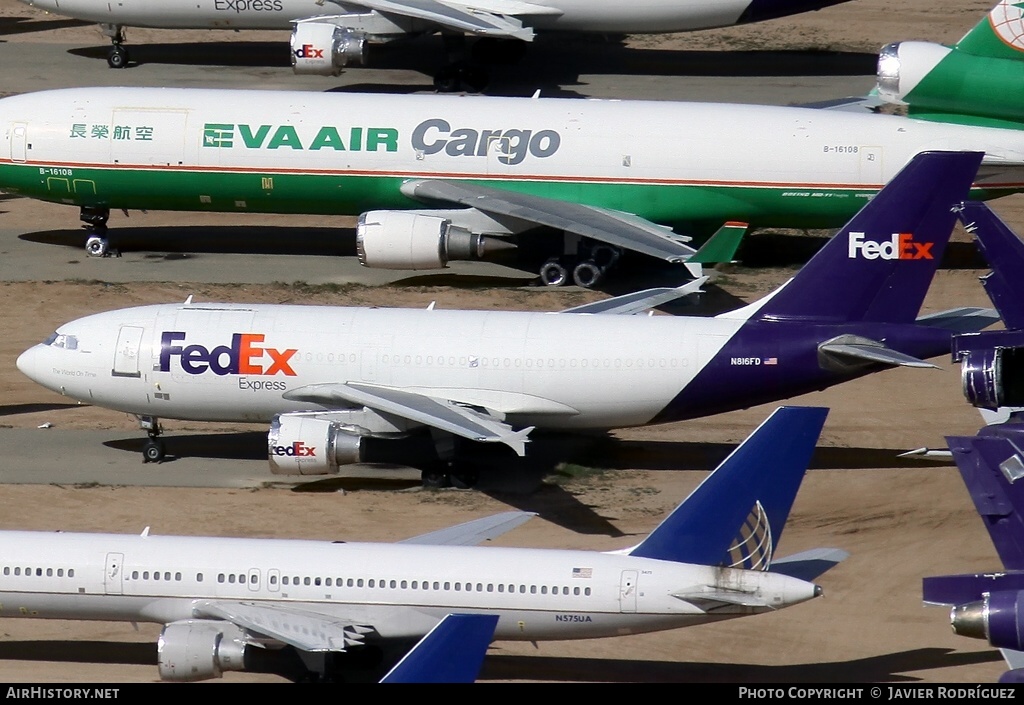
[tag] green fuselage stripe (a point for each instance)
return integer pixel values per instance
(290, 191)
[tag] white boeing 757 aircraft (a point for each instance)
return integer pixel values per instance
(327, 35)
(304, 608)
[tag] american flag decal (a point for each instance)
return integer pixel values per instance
(582, 572)
(771, 361)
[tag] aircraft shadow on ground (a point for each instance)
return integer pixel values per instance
(893, 667)
(883, 668)
(552, 60)
(27, 25)
(14, 409)
(187, 239)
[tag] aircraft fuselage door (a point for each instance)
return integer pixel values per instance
(627, 591)
(126, 354)
(19, 142)
(113, 574)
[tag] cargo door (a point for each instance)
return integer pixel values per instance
(126, 354)
(147, 137)
(19, 142)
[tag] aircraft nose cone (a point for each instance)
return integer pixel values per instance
(28, 363)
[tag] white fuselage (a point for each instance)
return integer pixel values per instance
(402, 591)
(576, 15)
(543, 369)
(305, 152)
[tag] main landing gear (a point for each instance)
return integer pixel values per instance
(446, 471)
(153, 450)
(97, 244)
(586, 267)
(117, 57)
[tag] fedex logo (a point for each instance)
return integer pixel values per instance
(308, 51)
(243, 357)
(899, 246)
(298, 449)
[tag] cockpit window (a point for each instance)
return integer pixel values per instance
(62, 340)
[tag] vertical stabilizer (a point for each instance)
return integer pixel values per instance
(735, 517)
(879, 266)
(1004, 252)
(993, 470)
(452, 652)
(999, 35)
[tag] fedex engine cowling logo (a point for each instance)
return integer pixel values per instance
(245, 356)
(899, 246)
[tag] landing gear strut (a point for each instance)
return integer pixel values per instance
(153, 450)
(97, 244)
(460, 74)
(118, 57)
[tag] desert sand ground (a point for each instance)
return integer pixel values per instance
(899, 520)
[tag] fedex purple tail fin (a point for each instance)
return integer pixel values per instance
(880, 265)
(1004, 252)
(991, 466)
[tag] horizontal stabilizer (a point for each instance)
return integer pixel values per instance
(452, 652)
(925, 454)
(854, 104)
(611, 227)
(722, 246)
(808, 565)
(853, 351)
(709, 598)
(965, 319)
(473, 533)
(640, 301)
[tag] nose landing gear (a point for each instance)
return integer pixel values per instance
(153, 450)
(98, 243)
(117, 57)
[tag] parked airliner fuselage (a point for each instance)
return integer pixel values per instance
(227, 362)
(305, 152)
(403, 591)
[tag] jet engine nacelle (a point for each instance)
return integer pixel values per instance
(992, 377)
(997, 618)
(412, 240)
(198, 649)
(965, 84)
(324, 49)
(300, 444)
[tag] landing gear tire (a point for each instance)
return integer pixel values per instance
(460, 76)
(153, 451)
(435, 479)
(118, 57)
(552, 273)
(464, 479)
(97, 246)
(586, 274)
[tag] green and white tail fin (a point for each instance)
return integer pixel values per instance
(975, 82)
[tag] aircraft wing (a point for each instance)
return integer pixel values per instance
(473, 532)
(612, 227)
(493, 18)
(442, 414)
(639, 301)
(303, 629)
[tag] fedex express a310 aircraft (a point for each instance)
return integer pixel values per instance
(327, 378)
(319, 609)
(328, 35)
